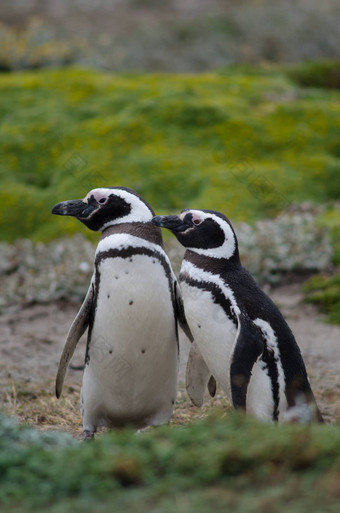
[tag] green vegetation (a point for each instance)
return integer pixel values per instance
(325, 292)
(246, 141)
(324, 74)
(206, 466)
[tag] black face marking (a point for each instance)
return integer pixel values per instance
(130, 302)
(206, 235)
(114, 207)
(195, 231)
(131, 191)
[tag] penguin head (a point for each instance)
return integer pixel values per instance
(205, 232)
(107, 206)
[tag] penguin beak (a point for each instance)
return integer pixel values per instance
(74, 208)
(173, 223)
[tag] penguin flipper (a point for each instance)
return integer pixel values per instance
(249, 345)
(77, 329)
(198, 377)
(180, 313)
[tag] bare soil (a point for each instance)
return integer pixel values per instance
(31, 341)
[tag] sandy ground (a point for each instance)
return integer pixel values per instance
(32, 339)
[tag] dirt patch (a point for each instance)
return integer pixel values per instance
(32, 339)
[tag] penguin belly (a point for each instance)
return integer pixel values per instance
(131, 373)
(213, 331)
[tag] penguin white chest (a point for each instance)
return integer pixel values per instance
(213, 331)
(133, 299)
(131, 374)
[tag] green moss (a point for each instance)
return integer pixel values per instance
(324, 74)
(325, 292)
(221, 462)
(242, 141)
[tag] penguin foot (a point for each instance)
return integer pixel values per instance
(88, 435)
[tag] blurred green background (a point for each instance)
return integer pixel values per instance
(246, 141)
(191, 103)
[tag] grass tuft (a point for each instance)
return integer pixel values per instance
(234, 453)
(322, 74)
(324, 291)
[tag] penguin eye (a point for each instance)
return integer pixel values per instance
(197, 221)
(102, 201)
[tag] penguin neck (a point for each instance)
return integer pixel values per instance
(214, 265)
(145, 231)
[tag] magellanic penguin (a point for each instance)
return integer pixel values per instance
(131, 311)
(242, 338)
